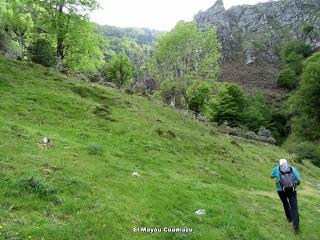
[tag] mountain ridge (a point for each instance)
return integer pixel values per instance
(252, 35)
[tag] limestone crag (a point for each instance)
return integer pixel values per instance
(252, 35)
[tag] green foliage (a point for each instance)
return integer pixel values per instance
(305, 103)
(294, 62)
(256, 113)
(314, 58)
(119, 70)
(35, 185)
(19, 23)
(141, 36)
(298, 47)
(306, 151)
(198, 95)
(228, 105)
(288, 79)
(187, 50)
(279, 125)
(95, 149)
(167, 90)
(41, 51)
(77, 45)
(4, 41)
(307, 28)
(183, 55)
(83, 47)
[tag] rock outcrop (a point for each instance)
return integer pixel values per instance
(252, 36)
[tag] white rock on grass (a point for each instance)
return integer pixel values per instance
(45, 140)
(200, 212)
(135, 174)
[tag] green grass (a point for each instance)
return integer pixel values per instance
(81, 186)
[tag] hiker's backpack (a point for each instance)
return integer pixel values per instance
(287, 177)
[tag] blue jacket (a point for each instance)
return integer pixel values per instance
(276, 174)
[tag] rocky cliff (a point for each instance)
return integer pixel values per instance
(252, 36)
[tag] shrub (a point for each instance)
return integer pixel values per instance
(298, 47)
(165, 133)
(167, 90)
(264, 132)
(41, 52)
(287, 79)
(228, 105)
(256, 113)
(198, 94)
(314, 58)
(307, 28)
(294, 62)
(278, 126)
(95, 149)
(35, 185)
(119, 70)
(308, 150)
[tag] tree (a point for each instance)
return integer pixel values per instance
(304, 104)
(19, 24)
(186, 52)
(228, 105)
(119, 70)
(198, 95)
(83, 47)
(67, 22)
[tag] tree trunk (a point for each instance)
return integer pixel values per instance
(173, 100)
(60, 37)
(21, 46)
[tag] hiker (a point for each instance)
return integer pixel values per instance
(287, 179)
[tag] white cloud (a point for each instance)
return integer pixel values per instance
(161, 14)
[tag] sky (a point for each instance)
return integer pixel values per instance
(155, 14)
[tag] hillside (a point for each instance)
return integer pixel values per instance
(81, 186)
(142, 36)
(252, 37)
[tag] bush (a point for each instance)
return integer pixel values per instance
(287, 79)
(314, 58)
(41, 52)
(119, 70)
(308, 150)
(256, 113)
(95, 149)
(278, 126)
(228, 105)
(167, 90)
(298, 47)
(307, 28)
(264, 132)
(35, 185)
(198, 94)
(294, 62)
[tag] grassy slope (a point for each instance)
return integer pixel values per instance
(97, 197)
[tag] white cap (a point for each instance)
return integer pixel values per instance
(282, 161)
